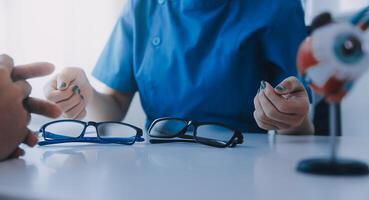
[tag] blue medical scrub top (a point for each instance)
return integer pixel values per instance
(202, 59)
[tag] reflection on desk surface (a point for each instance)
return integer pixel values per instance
(262, 168)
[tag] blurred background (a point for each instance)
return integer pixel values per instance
(73, 33)
(63, 32)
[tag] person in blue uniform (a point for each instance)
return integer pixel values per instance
(228, 61)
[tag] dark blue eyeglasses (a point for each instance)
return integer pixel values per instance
(63, 131)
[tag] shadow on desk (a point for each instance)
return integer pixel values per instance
(13, 198)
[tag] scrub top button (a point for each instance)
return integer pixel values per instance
(161, 2)
(156, 41)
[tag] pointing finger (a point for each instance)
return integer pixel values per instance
(42, 107)
(32, 70)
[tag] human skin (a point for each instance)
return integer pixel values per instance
(16, 105)
(284, 108)
(72, 92)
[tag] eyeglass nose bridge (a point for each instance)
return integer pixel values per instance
(238, 140)
(88, 124)
(91, 123)
(191, 126)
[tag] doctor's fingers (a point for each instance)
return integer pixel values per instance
(261, 115)
(274, 114)
(276, 100)
(70, 103)
(76, 111)
(289, 106)
(262, 124)
(289, 85)
(81, 115)
(49, 87)
(68, 76)
(55, 95)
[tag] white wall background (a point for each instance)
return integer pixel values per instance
(63, 32)
(73, 33)
(337, 7)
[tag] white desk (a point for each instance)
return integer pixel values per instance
(262, 168)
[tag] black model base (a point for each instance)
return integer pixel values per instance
(327, 166)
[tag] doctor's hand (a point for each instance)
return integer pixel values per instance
(283, 108)
(71, 91)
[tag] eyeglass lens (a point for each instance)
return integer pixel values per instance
(207, 133)
(67, 129)
(167, 128)
(115, 130)
(71, 129)
(214, 134)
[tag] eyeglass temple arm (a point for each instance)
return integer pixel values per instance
(237, 140)
(192, 138)
(161, 141)
(90, 140)
(56, 136)
(184, 136)
(60, 136)
(63, 138)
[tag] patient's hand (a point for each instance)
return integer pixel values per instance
(284, 108)
(16, 106)
(71, 91)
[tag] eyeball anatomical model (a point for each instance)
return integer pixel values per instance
(334, 56)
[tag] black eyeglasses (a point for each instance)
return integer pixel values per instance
(63, 131)
(212, 134)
